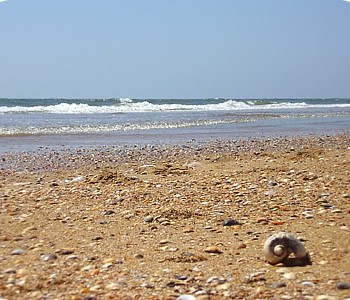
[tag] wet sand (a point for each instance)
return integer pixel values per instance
(146, 222)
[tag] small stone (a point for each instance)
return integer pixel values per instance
(148, 219)
(66, 251)
(18, 252)
(77, 179)
(172, 249)
(242, 246)
(216, 280)
(49, 256)
(282, 270)
(85, 290)
(213, 249)
(290, 275)
(308, 283)
(88, 268)
(109, 260)
(148, 285)
(138, 256)
(95, 272)
(343, 286)
(181, 277)
(95, 288)
(186, 297)
(109, 212)
(272, 183)
(230, 222)
(325, 297)
(107, 265)
(112, 286)
(163, 242)
(278, 285)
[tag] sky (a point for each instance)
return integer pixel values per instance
(174, 49)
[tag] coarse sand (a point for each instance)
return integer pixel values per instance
(147, 222)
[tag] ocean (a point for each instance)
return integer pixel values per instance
(31, 124)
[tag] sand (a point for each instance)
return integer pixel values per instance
(146, 222)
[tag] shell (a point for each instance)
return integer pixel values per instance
(279, 246)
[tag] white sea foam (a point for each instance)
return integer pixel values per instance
(126, 105)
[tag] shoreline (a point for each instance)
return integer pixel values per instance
(146, 222)
(53, 158)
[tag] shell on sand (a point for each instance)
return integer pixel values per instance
(279, 246)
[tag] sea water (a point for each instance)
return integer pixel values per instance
(30, 124)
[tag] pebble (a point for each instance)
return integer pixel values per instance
(148, 219)
(272, 183)
(290, 275)
(186, 297)
(343, 285)
(278, 285)
(308, 283)
(88, 268)
(65, 251)
(163, 242)
(112, 286)
(325, 297)
(107, 265)
(216, 280)
(49, 256)
(181, 277)
(230, 222)
(213, 249)
(18, 252)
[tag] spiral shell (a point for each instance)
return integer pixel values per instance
(279, 246)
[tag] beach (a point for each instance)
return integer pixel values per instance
(164, 221)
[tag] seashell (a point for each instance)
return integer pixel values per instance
(279, 246)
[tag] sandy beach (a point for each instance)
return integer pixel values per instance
(146, 222)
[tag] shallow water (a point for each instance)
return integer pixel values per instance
(31, 124)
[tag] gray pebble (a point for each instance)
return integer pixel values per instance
(272, 183)
(343, 286)
(18, 252)
(278, 285)
(230, 222)
(148, 219)
(49, 256)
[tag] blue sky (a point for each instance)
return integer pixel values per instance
(174, 49)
